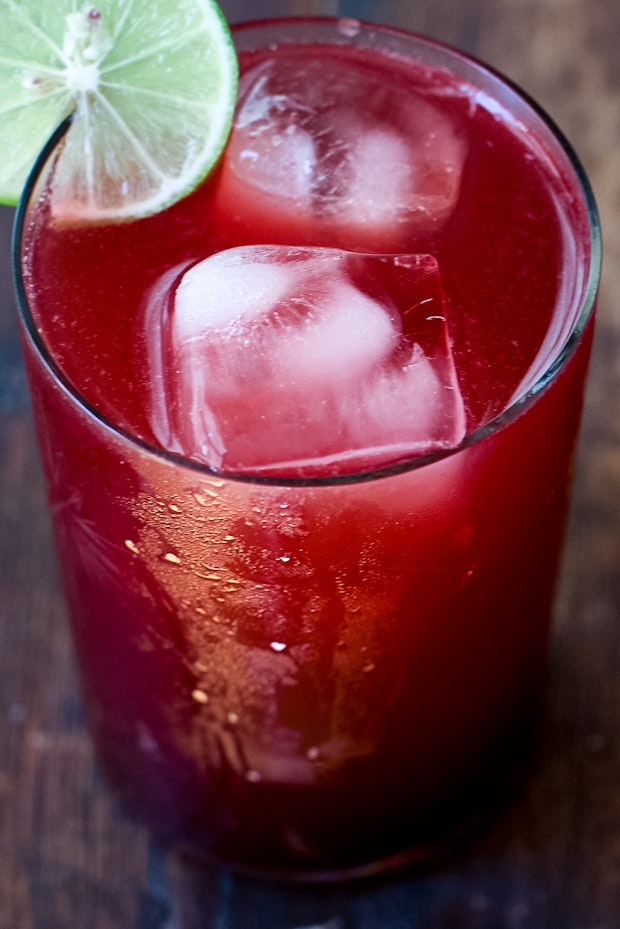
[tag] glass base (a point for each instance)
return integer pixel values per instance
(419, 855)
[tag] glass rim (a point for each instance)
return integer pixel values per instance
(514, 408)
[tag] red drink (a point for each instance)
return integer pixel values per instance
(304, 653)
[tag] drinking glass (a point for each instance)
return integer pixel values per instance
(317, 677)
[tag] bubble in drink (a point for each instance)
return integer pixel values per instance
(286, 360)
(361, 164)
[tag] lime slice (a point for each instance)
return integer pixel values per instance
(152, 84)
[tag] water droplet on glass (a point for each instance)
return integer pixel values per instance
(349, 27)
(203, 499)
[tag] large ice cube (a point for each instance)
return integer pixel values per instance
(272, 359)
(340, 157)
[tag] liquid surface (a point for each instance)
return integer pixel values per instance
(346, 151)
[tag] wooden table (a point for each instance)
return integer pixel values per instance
(551, 859)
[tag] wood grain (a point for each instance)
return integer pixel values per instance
(551, 858)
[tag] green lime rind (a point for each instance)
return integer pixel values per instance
(153, 84)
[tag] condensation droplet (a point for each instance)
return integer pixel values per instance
(172, 558)
(313, 753)
(349, 27)
(284, 558)
(200, 696)
(132, 546)
(369, 667)
(233, 719)
(253, 776)
(201, 499)
(174, 508)
(278, 646)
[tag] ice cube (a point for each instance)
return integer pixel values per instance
(227, 288)
(271, 146)
(305, 166)
(272, 359)
(401, 184)
(380, 173)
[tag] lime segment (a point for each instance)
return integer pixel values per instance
(153, 86)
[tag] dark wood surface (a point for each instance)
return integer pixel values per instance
(551, 858)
